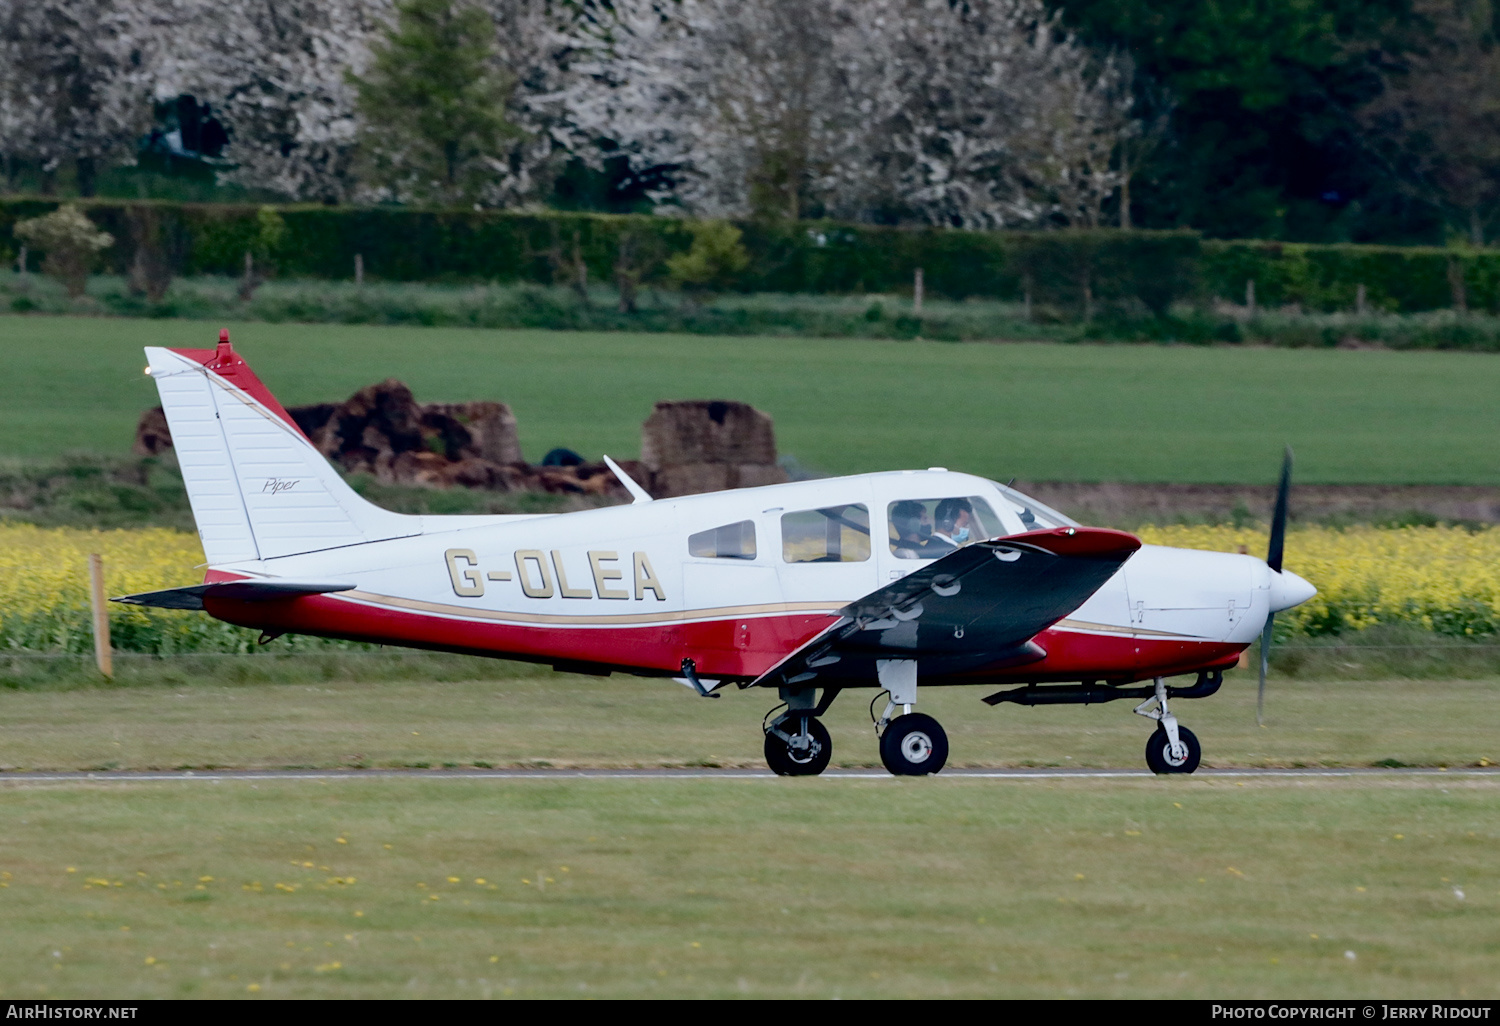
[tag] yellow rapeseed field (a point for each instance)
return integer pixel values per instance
(1446, 579)
(44, 591)
(1441, 578)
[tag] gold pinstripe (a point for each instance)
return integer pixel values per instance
(639, 619)
(1083, 626)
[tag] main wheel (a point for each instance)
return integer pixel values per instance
(1159, 752)
(914, 745)
(791, 762)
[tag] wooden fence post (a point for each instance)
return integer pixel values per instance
(102, 653)
(916, 293)
(1250, 296)
(359, 270)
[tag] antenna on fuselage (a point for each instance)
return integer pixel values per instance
(638, 494)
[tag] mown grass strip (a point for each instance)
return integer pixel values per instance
(1181, 888)
(207, 719)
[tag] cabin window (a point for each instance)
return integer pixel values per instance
(1034, 515)
(929, 528)
(732, 541)
(835, 534)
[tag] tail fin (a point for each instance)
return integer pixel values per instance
(258, 487)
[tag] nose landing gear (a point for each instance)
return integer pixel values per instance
(1172, 748)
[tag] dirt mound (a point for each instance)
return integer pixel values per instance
(383, 431)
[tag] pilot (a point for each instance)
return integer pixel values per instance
(953, 526)
(912, 532)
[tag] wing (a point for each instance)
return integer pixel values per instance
(974, 608)
(261, 590)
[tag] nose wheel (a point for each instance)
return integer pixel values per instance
(914, 745)
(1172, 748)
(1164, 757)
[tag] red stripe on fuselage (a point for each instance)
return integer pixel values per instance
(720, 648)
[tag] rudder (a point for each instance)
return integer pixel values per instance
(258, 487)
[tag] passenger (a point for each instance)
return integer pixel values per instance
(908, 519)
(953, 525)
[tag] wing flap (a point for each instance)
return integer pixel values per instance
(977, 607)
(255, 590)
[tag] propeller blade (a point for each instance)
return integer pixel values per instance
(1265, 664)
(1278, 517)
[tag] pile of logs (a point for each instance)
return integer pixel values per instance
(686, 447)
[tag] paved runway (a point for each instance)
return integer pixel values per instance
(216, 776)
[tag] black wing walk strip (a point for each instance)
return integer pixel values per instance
(976, 608)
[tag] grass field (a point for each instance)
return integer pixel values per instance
(453, 887)
(761, 888)
(232, 712)
(1041, 412)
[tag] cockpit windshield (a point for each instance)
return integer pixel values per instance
(1034, 515)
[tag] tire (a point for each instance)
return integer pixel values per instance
(914, 745)
(1158, 759)
(789, 763)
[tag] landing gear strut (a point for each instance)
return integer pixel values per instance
(911, 744)
(798, 746)
(797, 743)
(1172, 748)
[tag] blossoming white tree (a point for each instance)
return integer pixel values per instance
(76, 81)
(275, 72)
(283, 77)
(975, 114)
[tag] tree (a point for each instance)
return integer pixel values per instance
(746, 105)
(1151, 127)
(20, 112)
(432, 105)
(76, 79)
(275, 72)
(71, 242)
(1003, 118)
(1438, 119)
(714, 261)
(977, 114)
(1264, 142)
(282, 76)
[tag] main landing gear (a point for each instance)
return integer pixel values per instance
(911, 744)
(797, 743)
(914, 745)
(1172, 748)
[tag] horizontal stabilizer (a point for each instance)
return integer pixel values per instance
(976, 607)
(264, 590)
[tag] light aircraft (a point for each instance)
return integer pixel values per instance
(893, 581)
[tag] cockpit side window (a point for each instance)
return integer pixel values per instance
(732, 541)
(834, 534)
(929, 528)
(1034, 515)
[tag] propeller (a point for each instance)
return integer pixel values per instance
(1273, 560)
